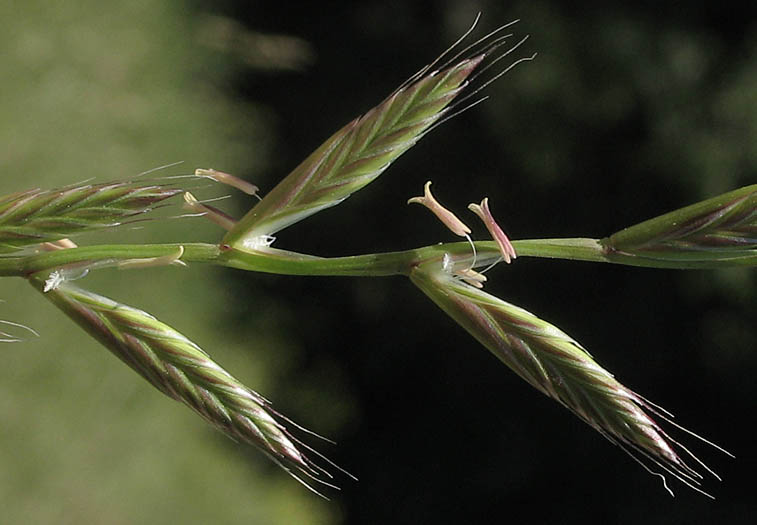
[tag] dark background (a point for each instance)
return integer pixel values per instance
(629, 111)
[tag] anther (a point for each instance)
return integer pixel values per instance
(229, 180)
(448, 218)
(505, 246)
(214, 215)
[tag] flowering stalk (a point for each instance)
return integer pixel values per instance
(719, 232)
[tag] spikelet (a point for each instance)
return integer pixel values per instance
(558, 366)
(721, 231)
(359, 152)
(37, 216)
(183, 371)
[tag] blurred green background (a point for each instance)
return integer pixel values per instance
(629, 111)
(108, 90)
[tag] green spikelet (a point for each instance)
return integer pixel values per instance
(555, 364)
(183, 371)
(354, 156)
(721, 231)
(35, 216)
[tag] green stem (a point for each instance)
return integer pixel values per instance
(575, 249)
(270, 260)
(594, 250)
(370, 265)
(27, 265)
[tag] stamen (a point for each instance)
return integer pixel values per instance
(505, 247)
(472, 277)
(448, 218)
(229, 180)
(61, 244)
(214, 215)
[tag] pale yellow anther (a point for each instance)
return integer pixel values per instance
(448, 218)
(472, 277)
(229, 180)
(505, 247)
(190, 201)
(60, 244)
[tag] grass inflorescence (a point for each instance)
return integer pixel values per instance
(719, 232)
